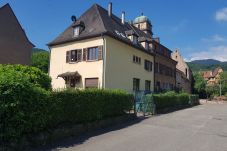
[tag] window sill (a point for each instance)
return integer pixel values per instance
(92, 60)
(73, 62)
(136, 63)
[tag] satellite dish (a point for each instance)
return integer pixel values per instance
(73, 18)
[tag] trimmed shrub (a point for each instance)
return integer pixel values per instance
(34, 75)
(194, 99)
(170, 99)
(26, 108)
(81, 106)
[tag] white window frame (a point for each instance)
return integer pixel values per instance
(76, 31)
(94, 55)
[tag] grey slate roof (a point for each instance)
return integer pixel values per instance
(97, 23)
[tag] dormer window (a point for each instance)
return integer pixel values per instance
(78, 27)
(132, 36)
(144, 42)
(76, 31)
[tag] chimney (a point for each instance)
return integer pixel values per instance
(123, 17)
(110, 9)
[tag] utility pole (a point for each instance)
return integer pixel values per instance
(220, 88)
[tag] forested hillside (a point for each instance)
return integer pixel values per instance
(203, 65)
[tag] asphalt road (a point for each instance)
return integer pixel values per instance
(201, 128)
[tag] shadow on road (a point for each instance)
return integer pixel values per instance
(73, 141)
(174, 109)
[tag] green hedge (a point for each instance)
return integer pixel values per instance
(194, 99)
(81, 106)
(26, 108)
(170, 99)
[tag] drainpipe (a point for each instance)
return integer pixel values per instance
(154, 75)
(104, 63)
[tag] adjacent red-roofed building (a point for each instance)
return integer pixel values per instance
(213, 77)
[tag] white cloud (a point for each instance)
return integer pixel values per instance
(221, 15)
(214, 38)
(218, 53)
(187, 60)
(218, 38)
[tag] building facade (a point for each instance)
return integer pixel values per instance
(165, 68)
(183, 73)
(15, 48)
(213, 77)
(103, 51)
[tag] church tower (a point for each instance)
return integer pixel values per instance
(143, 23)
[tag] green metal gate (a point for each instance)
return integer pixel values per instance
(144, 103)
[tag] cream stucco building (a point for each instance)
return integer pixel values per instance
(183, 73)
(103, 51)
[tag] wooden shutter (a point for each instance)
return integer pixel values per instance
(68, 56)
(79, 55)
(100, 56)
(85, 54)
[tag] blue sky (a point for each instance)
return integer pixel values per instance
(197, 27)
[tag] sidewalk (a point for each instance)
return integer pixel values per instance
(205, 101)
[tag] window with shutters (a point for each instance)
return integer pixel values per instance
(93, 53)
(147, 65)
(74, 56)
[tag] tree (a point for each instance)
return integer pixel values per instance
(34, 75)
(199, 85)
(40, 59)
(224, 82)
(212, 90)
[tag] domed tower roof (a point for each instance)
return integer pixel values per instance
(141, 19)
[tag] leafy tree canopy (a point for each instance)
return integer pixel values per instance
(199, 85)
(40, 59)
